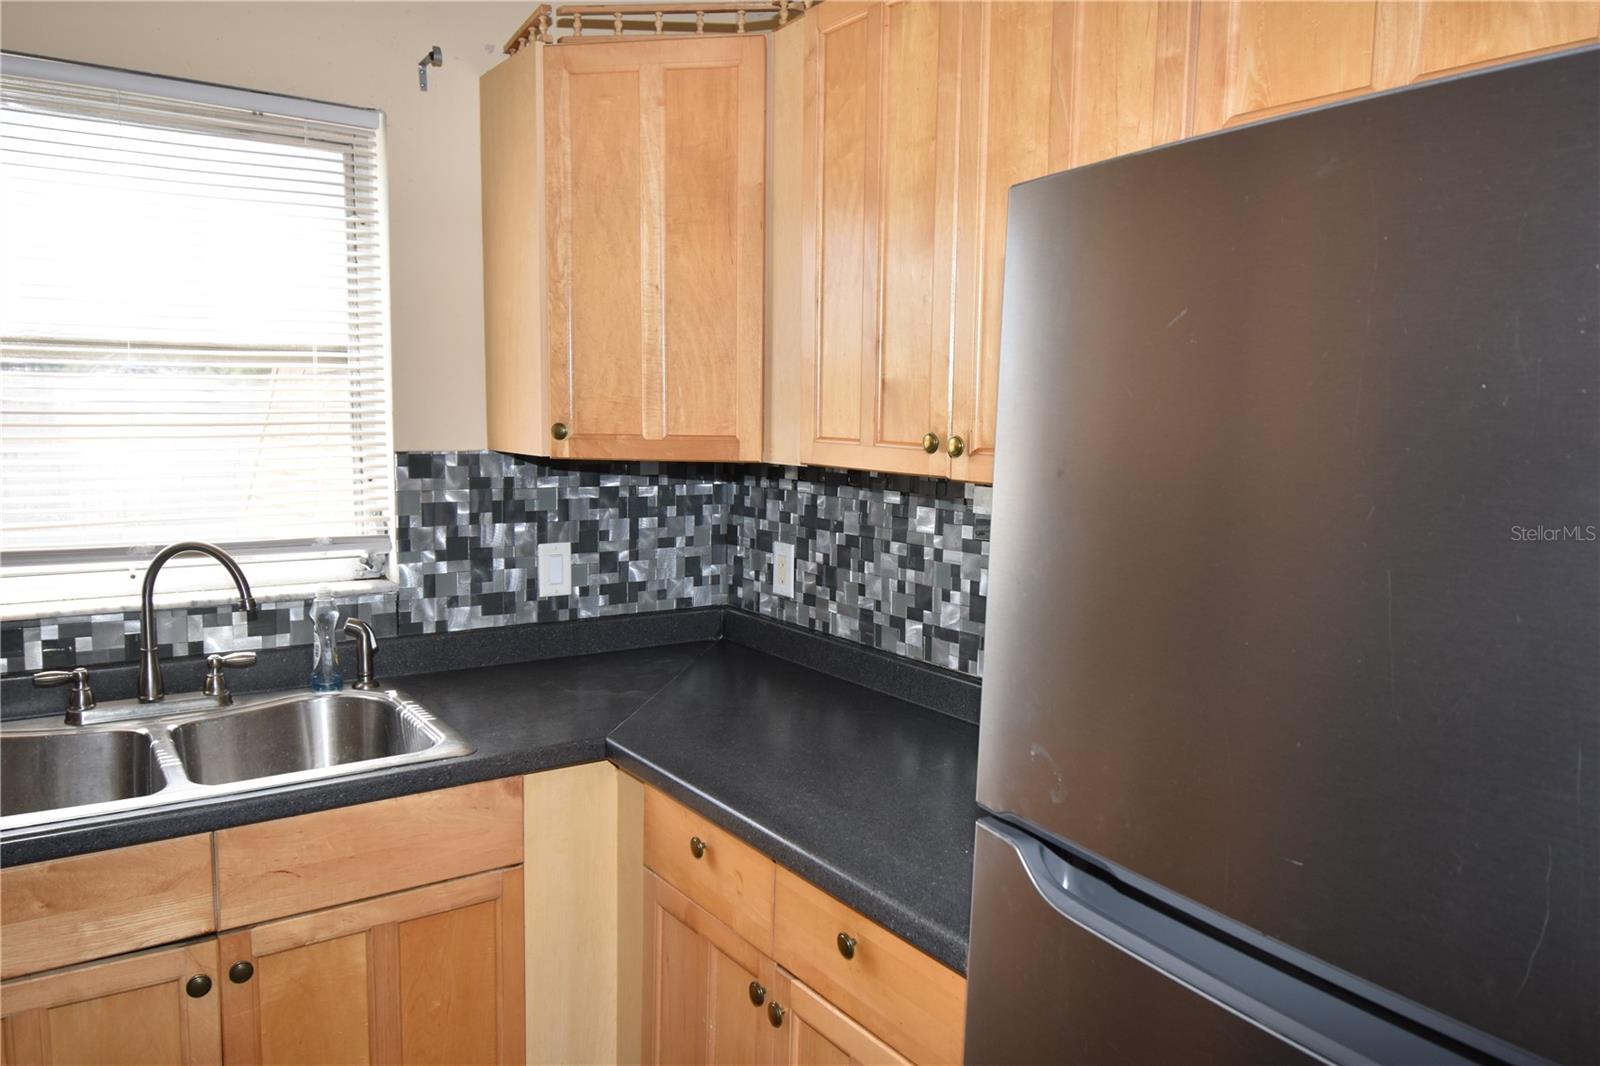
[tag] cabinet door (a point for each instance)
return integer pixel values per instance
(430, 975)
(655, 156)
(878, 166)
(813, 1032)
(705, 989)
(130, 1009)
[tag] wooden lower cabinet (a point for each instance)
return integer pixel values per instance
(705, 988)
(711, 997)
(813, 1032)
(429, 975)
(133, 1009)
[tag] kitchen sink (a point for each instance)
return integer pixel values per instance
(51, 772)
(297, 735)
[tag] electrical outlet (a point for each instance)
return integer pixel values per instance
(555, 570)
(783, 569)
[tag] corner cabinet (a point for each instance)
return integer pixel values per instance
(635, 330)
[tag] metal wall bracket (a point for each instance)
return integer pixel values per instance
(434, 58)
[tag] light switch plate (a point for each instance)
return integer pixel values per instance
(783, 569)
(555, 570)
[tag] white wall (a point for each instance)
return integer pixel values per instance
(351, 53)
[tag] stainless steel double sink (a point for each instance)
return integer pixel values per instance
(51, 772)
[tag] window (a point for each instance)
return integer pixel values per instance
(193, 335)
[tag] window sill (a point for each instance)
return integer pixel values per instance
(342, 591)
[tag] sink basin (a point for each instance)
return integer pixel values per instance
(190, 749)
(295, 735)
(41, 772)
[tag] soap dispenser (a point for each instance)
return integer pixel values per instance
(325, 676)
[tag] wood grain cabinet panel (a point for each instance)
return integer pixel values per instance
(1430, 38)
(292, 865)
(135, 1009)
(1044, 87)
(654, 172)
(429, 975)
(106, 903)
(698, 977)
(727, 877)
(813, 1032)
(917, 120)
(511, 136)
(905, 997)
(1260, 58)
(878, 170)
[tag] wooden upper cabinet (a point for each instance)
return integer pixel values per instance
(1436, 37)
(1259, 58)
(654, 164)
(878, 164)
(511, 139)
(1045, 86)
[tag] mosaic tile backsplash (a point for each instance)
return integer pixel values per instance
(896, 563)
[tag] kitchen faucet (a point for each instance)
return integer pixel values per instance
(151, 689)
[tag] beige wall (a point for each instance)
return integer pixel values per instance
(351, 53)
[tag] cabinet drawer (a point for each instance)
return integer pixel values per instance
(274, 869)
(90, 906)
(727, 877)
(905, 997)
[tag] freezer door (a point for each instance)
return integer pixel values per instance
(1067, 968)
(1294, 605)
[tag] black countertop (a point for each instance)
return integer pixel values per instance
(865, 795)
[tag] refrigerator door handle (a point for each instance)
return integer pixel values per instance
(1294, 1007)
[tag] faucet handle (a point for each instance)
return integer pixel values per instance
(82, 697)
(217, 685)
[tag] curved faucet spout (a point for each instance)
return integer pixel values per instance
(151, 688)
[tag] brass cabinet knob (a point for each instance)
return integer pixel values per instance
(697, 847)
(775, 1013)
(955, 447)
(559, 431)
(197, 986)
(930, 442)
(847, 945)
(240, 972)
(758, 995)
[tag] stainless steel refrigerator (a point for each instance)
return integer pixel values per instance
(1290, 739)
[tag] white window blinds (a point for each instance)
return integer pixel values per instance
(193, 331)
